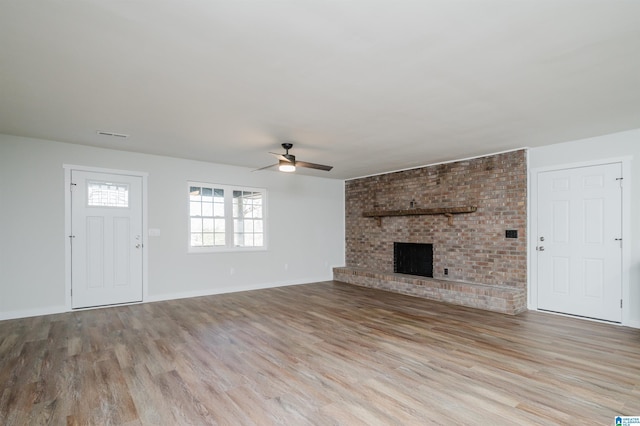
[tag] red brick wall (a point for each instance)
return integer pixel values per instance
(474, 248)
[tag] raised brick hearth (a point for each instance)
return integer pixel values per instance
(464, 209)
(506, 300)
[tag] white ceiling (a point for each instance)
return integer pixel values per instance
(365, 85)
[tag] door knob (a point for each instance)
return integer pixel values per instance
(138, 245)
(541, 248)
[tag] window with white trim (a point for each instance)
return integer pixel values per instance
(224, 217)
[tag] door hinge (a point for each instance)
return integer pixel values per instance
(72, 186)
(620, 303)
(620, 180)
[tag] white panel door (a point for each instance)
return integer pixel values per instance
(106, 241)
(579, 246)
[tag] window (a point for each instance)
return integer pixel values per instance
(207, 222)
(247, 219)
(222, 217)
(106, 194)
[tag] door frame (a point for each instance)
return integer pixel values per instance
(67, 227)
(625, 163)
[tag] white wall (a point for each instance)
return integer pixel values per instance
(306, 221)
(305, 224)
(624, 144)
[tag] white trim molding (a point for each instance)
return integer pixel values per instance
(67, 224)
(532, 299)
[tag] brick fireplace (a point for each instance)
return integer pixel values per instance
(464, 209)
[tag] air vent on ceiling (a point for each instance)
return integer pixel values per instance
(112, 134)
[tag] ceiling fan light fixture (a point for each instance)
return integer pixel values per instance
(286, 166)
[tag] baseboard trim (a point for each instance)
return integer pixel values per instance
(632, 324)
(51, 310)
(26, 313)
(231, 289)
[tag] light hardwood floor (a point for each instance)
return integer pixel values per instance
(324, 353)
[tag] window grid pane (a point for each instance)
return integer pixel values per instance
(196, 239)
(194, 193)
(196, 225)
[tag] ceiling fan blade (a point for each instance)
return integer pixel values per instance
(263, 168)
(280, 157)
(313, 166)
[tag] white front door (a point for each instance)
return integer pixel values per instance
(579, 246)
(106, 239)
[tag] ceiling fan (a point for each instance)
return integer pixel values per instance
(288, 163)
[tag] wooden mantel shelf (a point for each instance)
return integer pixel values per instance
(446, 211)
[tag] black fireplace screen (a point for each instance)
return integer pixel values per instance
(413, 259)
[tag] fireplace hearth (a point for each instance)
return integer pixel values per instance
(413, 259)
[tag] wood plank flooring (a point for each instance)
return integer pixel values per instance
(321, 354)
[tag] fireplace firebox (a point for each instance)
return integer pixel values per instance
(413, 259)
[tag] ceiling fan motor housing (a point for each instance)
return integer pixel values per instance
(289, 157)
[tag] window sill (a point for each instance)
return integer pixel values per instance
(209, 250)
